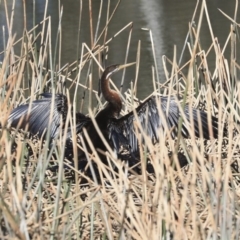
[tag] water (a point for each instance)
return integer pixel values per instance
(168, 21)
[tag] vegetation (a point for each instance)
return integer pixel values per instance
(198, 201)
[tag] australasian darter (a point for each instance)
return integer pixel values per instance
(116, 130)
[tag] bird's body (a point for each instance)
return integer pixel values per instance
(117, 131)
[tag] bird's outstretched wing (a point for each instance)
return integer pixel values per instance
(36, 119)
(42, 116)
(151, 120)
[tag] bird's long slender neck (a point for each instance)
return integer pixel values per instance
(113, 98)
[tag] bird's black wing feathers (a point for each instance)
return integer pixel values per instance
(116, 135)
(152, 120)
(36, 119)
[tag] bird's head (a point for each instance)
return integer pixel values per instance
(110, 70)
(110, 95)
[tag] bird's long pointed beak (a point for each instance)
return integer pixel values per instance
(126, 65)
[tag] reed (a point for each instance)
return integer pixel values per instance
(156, 198)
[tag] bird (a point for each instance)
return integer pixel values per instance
(117, 130)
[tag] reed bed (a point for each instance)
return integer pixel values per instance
(154, 198)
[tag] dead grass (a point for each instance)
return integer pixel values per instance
(199, 201)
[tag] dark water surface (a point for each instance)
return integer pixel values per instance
(168, 20)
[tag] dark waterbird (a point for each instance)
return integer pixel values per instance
(117, 131)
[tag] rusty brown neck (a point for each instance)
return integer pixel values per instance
(114, 101)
